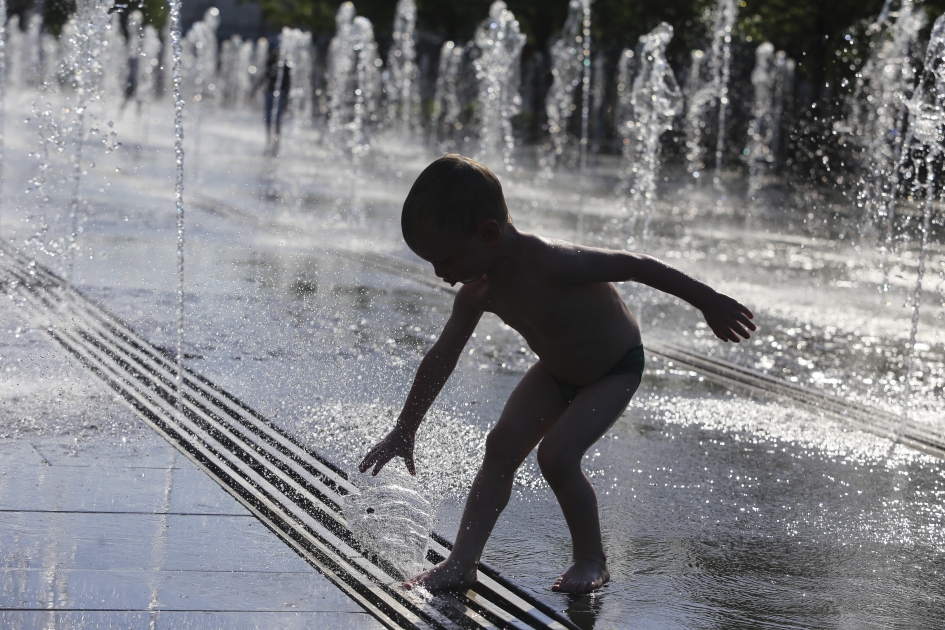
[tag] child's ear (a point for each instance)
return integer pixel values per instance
(489, 232)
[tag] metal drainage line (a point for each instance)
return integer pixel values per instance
(292, 490)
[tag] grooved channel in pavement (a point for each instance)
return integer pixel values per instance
(295, 492)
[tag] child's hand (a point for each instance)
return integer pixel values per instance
(727, 317)
(398, 443)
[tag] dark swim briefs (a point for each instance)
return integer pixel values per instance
(631, 363)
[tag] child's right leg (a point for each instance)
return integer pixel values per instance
(593, 411)
(532, 409)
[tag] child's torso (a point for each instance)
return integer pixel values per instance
(579, 331)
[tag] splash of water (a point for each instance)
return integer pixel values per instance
(114, 63)
(403, 85)
(286, 40)
(295, 58)
(298, 60)
(885, 86)
(391, 517)
(500, 42)
(243, 75)
(566, 69)
(301, 59)
(720, 63)
(51, 136)
(260, 56)
(236, 58)
(135, 45)
(146, 87)
(585, 59)
(648, 111)
(51, 53)
(228, 70)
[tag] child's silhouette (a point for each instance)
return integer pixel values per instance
(561, 299)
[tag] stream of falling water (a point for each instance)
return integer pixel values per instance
(84, 60)
(927, 106)
(647, 111)
(174, 18)
(724, 23)
(585, 59)
(3, 86)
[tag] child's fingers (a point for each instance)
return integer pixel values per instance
(741, 317)
(411, 467)
(375, 455)
(730, 333)
(739, 330)
(369, 459)
(380, 464)
(723, 334)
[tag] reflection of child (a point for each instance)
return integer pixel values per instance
(561, 299)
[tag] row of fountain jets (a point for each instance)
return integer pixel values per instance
(477, 90)
(362, 94)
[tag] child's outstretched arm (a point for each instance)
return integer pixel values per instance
(434, 370)
(728, 318)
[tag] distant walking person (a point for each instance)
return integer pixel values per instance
(277, 98)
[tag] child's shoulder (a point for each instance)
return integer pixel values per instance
(548, 255)
(544, 248)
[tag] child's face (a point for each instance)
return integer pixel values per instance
(459, 260)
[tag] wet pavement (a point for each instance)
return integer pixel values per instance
(105, 525)
(719, 510)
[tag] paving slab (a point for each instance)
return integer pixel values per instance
(104, 534)
(110, 527)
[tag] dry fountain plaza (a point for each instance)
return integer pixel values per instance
(777, 483)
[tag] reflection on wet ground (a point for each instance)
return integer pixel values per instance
(719, 510)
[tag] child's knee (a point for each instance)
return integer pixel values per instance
(557, 463)
(501, 453)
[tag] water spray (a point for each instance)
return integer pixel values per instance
(174, 22)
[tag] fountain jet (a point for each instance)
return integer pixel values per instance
(403, 83)
(566, 69)
(500, 43)
(710, 91)
(649, 109)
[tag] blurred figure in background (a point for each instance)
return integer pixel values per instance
(278, 82)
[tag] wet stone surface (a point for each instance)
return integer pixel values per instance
(105, 525)
(718, 509)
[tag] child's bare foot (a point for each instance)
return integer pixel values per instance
(443, 576)
(584, 576)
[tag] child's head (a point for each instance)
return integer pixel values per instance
(451, 199)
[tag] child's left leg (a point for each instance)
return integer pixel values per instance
(586, 419)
